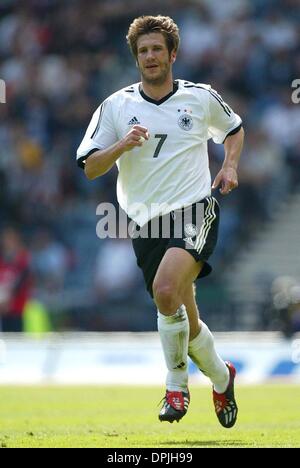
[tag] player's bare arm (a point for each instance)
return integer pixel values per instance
(100, 162)
(227, 177)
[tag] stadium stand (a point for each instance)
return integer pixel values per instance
(59, 60)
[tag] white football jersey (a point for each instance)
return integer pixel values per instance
(171, 169)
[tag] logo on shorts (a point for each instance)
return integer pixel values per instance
(185, 122)
(190, 230)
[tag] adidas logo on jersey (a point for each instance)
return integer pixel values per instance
(134, 121)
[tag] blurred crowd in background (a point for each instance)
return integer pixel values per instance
(59, 60)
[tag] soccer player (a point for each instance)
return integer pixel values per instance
(156, 131)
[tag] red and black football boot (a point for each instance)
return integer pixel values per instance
(175, 406)
(225, 404)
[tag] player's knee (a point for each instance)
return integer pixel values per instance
(165, 297)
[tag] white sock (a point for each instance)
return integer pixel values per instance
(203, 353)
(174, 335)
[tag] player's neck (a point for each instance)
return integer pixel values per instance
(158, 92)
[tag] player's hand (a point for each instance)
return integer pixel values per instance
(227, 179)
(135, 137)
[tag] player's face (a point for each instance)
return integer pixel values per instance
(153, 58)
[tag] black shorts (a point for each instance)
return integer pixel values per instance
(194, 229)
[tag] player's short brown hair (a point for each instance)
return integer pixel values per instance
(151, 24)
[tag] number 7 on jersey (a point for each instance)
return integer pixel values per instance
(162, 138)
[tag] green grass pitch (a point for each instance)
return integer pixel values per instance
(116, 417)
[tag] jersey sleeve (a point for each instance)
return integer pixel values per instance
(100, 133)
(222, 120)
